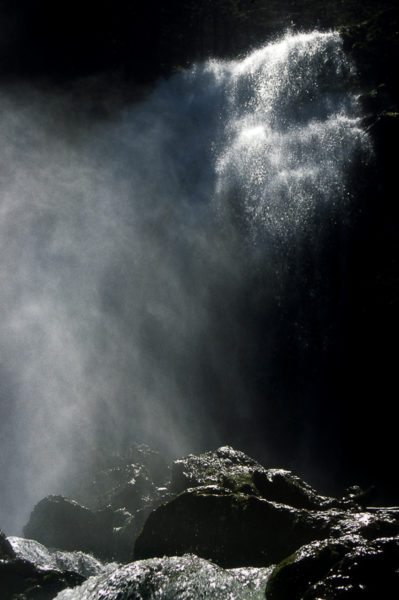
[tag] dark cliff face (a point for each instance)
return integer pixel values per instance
(145, 39)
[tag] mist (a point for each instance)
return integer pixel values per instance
(155, 261)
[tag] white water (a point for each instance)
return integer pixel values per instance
(129, 244)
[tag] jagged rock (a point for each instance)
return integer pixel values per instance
(74, 562)
(126, 531)
(120, 498)
(235, 471)
(231, 510)
(366, 572)
(237, 513)
(308, 565)
(59, 522)
(280, 485)
(185, 578)
(127, 481)
(216, 468)
(22, 580)
(232, 529)
(154, 463)
(348, 567)
(355, 494)
(6, 550)
(371, 523)
(63, 523)
(127, 487)
(374, 44)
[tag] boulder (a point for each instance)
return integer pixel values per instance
(348, 567)
(128, 481)
(233, 470)
(237, 513)
(308, 565)
(218, 467)
(116, 503)
(128, 486)
(50, 558)
(183, 578)
(370, 523)
(6, 550)
(22, 580)
(155, 464)
(366, 572)
(65, 524)
(231, 529)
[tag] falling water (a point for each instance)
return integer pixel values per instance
(141, 252)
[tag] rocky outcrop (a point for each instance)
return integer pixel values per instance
(294, 575)
(231, 529)
(6, 550)
(64, 523)
(234, 471)
(224, 507)
(346, 567)
(186, 578)
(22, 580)
(124, 481)
(49, 558)
(364, 572)
(116, 503)
(237, 513)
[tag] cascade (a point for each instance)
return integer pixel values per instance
(151, 260)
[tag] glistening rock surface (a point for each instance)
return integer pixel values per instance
(232, 529)
(183, 578)
(6, 550)
(64, 523)
(235, 471)
(113, 506)
(224, 507)
(346, 568)
(22, 580)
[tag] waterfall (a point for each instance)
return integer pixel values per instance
(146, 256)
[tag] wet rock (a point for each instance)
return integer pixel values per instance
(127, 525)
(119, 499)
(217, 468)
(185, 577)
(366, 572)
(348, 567)
(62, 523)
(130, 481)
(280, 485)
(308, 565)
(6, 550)
(374, 45)
(22, 580)
(128, 487)
(73, 562)
(232, 529)
(370, 523)
(126, 532)
(155, 464)
(237, 513)
(235, 471)
(357, 495)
